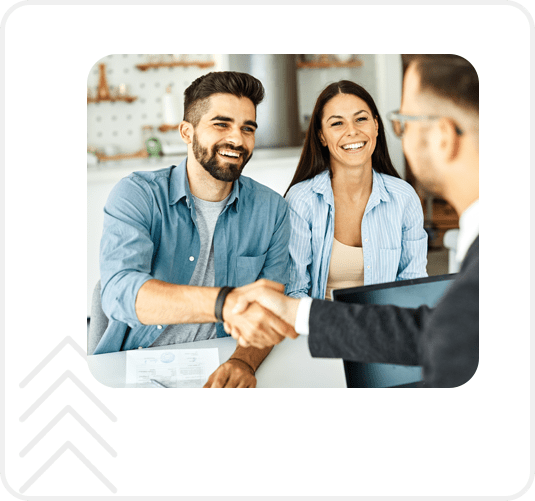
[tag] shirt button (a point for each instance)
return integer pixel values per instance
(365, 239)
(159, 326)
(368, 267)
(191, 258)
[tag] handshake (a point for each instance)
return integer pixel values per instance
(259, 314)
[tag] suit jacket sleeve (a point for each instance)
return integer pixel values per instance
(444, 340)
(367, 333)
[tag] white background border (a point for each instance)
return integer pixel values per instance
(467, 441)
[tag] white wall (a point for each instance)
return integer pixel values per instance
(120, 123)
(388, 76)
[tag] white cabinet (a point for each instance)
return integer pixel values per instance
(272, 167)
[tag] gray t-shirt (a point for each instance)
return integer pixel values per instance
(204, 274)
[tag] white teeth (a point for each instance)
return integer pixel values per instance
(354, 146)
(229, 154)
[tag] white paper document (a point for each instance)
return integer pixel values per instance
(173, 368)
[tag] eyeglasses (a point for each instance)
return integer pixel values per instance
(398, 122)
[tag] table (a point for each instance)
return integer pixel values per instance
(289, 365)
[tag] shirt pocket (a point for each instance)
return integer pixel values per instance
(248, 268)
(388, 264)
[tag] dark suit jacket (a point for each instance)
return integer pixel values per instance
(444, 340)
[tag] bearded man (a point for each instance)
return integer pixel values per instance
(177, 239)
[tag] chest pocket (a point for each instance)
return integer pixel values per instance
(248, 268)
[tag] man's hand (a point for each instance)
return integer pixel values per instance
(253, 324)
(232, 374)
(257, 327)
(270, 296)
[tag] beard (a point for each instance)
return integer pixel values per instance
(213, 163)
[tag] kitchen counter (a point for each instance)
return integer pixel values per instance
(273, 158)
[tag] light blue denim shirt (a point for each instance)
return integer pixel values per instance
(394, 242)
(150, 232)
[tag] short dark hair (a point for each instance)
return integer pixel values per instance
(449, 76)
(196, 96)
(315, 157)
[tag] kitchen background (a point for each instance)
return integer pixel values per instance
(135, 103)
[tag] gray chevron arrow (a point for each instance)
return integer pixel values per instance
(77, 382)
(67, 341)
(67, 410)
(81, 457)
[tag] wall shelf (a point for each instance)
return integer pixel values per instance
(171, 64)
(329, 61)
(128, 99)
(167, 127)
(103, 91)
(124, 156)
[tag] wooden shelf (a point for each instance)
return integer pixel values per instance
(128, 99)
(329, 64)
(167, 128)
(200, 64)
(103, 91)
(124, 156)
(329, 61)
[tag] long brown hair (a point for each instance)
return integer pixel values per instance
(315, 158)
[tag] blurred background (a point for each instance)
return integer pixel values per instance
(135, 103)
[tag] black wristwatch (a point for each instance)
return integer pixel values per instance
(220, 301)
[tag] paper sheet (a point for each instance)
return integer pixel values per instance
(188, 368)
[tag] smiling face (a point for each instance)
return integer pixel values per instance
(224, 138)
(349, 131)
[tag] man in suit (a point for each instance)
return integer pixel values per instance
(439, 125)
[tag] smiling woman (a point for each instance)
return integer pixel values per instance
(354, 221)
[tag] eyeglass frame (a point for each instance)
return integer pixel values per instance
(402, 119)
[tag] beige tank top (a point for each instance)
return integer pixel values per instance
(346, 268)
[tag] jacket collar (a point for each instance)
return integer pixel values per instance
(179, 186)
(321, 184)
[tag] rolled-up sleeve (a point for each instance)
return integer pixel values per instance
(300, 246)
(413, 259)
(126, 248)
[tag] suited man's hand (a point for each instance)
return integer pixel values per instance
(270, 296)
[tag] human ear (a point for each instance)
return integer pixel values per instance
(450, 141)
(322, 139)
(186, 131)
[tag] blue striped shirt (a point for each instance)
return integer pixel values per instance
(394, 242)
